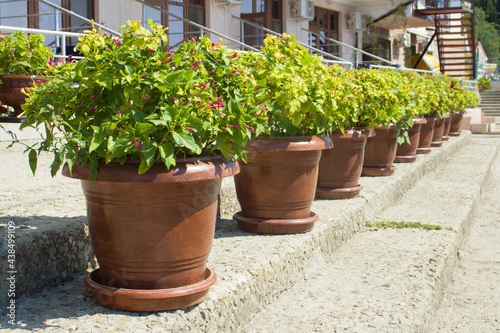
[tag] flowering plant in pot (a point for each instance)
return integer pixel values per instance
(382, 95)
(150, 132)
(415, 97)
(21, 58)
(284, 158)
(460, 99)
(341, 166)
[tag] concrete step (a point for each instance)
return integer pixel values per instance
(49, 215)
(391, 280)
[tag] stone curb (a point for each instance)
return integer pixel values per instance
(253, 269)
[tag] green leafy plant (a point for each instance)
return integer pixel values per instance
(299, 95)
(402, 224)
(20, 54)
(484, 84)
(133, 99)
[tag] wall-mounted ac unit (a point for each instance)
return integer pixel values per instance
(233, 2)
(303, 9)
(356, 21)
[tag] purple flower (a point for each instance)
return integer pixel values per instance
(152, 51)
(92, 110)
(222, 114)
(137, 144)
(249, 127)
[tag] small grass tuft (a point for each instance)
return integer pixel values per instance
(402, 224)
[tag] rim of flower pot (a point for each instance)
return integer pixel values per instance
(185, 170)
(289, 143)
(352, 133)
(419, 120)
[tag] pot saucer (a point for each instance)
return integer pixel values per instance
(149, 299)
(275, 226)
(436, 144)
(424, 150)
(338, 193)
(405, 159)
(378, 172)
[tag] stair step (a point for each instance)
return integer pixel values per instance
(447, 33)
(458, 70)
(454, 26)
(252, 269)
(390, 280)
(465, 19)
(455, 58)
(447, 64)
(454, 46)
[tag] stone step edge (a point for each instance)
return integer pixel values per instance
(56, 263)
(451, 258)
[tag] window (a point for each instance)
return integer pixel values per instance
(38, 15)
(325, 25)
(193, 10)
(264, 13)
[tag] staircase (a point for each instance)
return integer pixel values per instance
(454, 21)
(490, 104)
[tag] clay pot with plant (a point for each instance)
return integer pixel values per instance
(340, 167)
(149, 132)
(277, 183)
(21, 59)
(383, 96)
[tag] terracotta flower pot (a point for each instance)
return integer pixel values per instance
(447, 125)
(426, 133)
(437, 135)
(380, 152)
(341, 166)
(11, 94)
(152, 233)
(407, 152)
(276, 186)
(456, 123)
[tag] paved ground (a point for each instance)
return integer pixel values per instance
(382, 280)
(472, 300)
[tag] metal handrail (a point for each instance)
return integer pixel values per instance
(64, 10)
(202, 28)
(353, 48)
(406, 69)
(323, 53)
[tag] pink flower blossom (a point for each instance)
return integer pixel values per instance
(222, 114)
(249, 127)
(92, 110)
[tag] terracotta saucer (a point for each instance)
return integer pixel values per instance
(338, 193)
(275, 226)
(149, 300)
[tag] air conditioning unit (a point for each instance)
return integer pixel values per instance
(303, 9)
(233, 2)
(356, 21)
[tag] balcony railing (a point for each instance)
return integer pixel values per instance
(443, 4)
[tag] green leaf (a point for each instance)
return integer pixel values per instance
(33, 160)
(226, 148)
(167, 154)
(186, 140)
(144, 129)
(56, 164)
(139, 116)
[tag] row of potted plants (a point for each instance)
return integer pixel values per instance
(151, 131)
